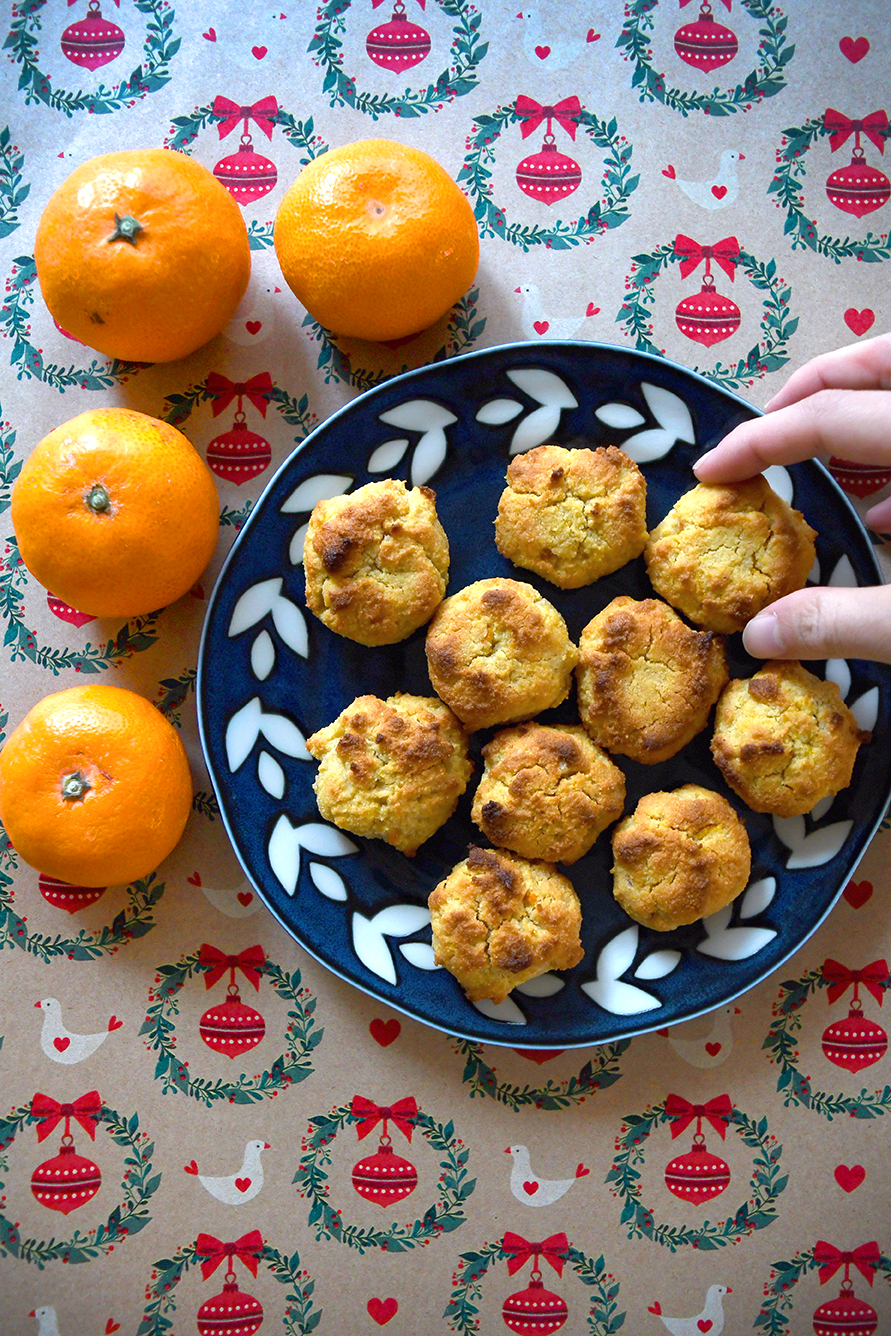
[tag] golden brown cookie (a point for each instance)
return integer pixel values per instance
(376, 562)
(679, 857)
(547, 791)
(784, 739)
(391, 770)
(646, 680)
(498, 653)
(572, 515)
(723, 553)
(499, 920)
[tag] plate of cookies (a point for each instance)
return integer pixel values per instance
(475, 705)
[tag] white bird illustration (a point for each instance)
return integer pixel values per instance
(537, 323)
(712, 1048)
(531, 1190)
(62, 1045)
(718, 192)
(545, 47)
(240, 1187)
(46, 1321)
(710, 1320)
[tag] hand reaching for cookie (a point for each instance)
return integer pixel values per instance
(836, 404)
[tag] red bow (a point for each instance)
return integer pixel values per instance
(553, 1250)
(250, 962)
(223, 390)
(368, 1115)
(213, 1251)
(840, 127)
(690, 253)
(866, 1258)
(533, 113)
(74, 2)
(262, 113)
(874, 978)
(374, 3)
(718, 1112)
(49, 1113)
(727, 4)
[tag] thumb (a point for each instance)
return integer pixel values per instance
(824, 624)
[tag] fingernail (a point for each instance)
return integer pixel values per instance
(701, 460)
(762, 638)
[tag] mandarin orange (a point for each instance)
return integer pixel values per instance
(142, 254)
(95, 787)
(376, 240)
(115, 512)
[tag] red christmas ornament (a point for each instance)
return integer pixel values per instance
(238, 454)
(705, 44)
(384, 1177)
(399, 44)
(230, 1313)
(549, 175)
(93, 41)
(855, 1042)
(709, 317)
(845, 1316)
(858, 479)
(66, 613)
(68, 1180)
(231, 1027)
(698, 1176)
(860, 188)
(65, 896)
(535, 1310)
(247, 175)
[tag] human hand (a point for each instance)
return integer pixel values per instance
(838, 404)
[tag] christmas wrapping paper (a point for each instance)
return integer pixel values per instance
(349, 1169)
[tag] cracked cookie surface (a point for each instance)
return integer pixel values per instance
(499, 920)
(721, 554)
(784, 739)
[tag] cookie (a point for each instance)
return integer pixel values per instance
(572, 516)
(547, 792)
(721, 554)
(646, 680)
(376, 562)
(784, 739)
(391, 770)
(499, 653)
(499, 920)
(678, 857)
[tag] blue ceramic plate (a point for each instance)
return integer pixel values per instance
(270, 674)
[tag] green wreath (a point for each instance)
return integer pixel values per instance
(291, 1067)
(595, 1075)
(786, 185)
(464, 328)
(766, 80)
(29, 360)
(610, 211)
(777, 326)
(129, 1217)
(299, 1317)
(462, 1311)
(299, 134)
(151, 74)
(784, 1276)
(12, 191)
(446, 1214)
(757, 1212)
(458, 78)
(781, 1044)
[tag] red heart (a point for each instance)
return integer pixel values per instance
(849, 1177)
(253, 326)
(719, 191)
(531, 1188)
(855, 48)
(61, 1044)
(210, 35)
(541, 326)
(712, 1049)
(382, 1310)
(581, 1170)
(705, 1324)
(542, 52)
(245, 897)
(857, 893)
(859, 321)
(669, 172)
(655, 1308)
(114, 1024)
(592, 36)
(242, 1184)
(539, 1055)
(592, 309)
(111, 1326)
(663, 1033)
(195, 879)
(259, 51)
(384, 1032)
(191, 1167)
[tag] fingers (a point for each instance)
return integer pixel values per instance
(861, 366)
(846, 423)
(824, 624)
